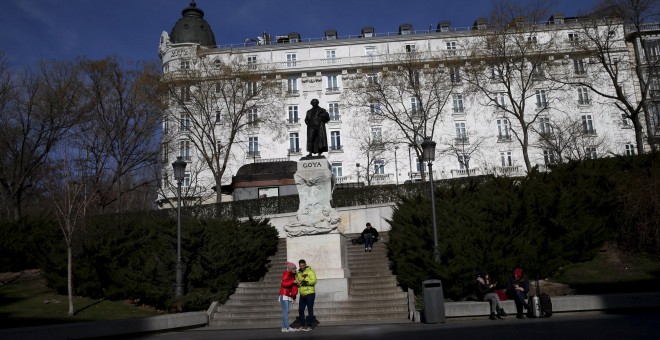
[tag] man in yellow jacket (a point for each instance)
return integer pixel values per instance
(306, 279)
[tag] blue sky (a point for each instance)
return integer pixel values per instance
(31, 30)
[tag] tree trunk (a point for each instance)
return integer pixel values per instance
(69, 276)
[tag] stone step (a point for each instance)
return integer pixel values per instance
(275, 322)
(269, 306)
(373, 285)
(372, 279)
(374, 291)
(261, 299)
(274, 288)
(326, 312)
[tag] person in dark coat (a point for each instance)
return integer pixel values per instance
(486, 290)
(517, 289)
(317, 138)
(369, 234)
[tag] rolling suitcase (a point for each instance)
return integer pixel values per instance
(534, 307)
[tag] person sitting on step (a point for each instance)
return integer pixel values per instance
(369, 234)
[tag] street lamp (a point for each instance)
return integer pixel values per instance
(179, 173)
(357, 165)
(428, 153)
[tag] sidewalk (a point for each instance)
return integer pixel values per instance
(453, 311)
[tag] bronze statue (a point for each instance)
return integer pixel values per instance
(317, 139)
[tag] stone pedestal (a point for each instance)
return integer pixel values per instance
(314, 237)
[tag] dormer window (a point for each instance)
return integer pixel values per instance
(405, 29)
(331, 34)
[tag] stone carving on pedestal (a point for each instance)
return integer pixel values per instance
(314, 183)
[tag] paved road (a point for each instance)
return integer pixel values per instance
(583, 326)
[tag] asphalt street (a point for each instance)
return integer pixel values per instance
(583, 326)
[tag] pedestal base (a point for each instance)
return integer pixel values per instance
(326, 254)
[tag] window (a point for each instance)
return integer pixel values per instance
(451, 47)
(376, 135)
(291, 60)
(579, 66)
(337, 169)
(548, 157)
(544, 126)
(461, 134)
(413, 76)
(335, 141)
(531, 39)
(292, 86)
(186, 180)
(503, 130)
(332, 83)
(218, 117)
(379, 167)
(253, 146)
(506, 159)
(652, 51)
(588, 125)
(185, 64)
(184, 150)
(370, 51)
(457, 100)
(655, 117)
(537, 71)
(330, 56)
(333, 111)
(414, 106)
(498, 73)
(501, 99)
(583, 96)
(165, 149)
(372, 79)
(455, 74)
(541, 99)
(590, 153)
(252, 62)
(185, 93)
(374, 108)
(463, 161)
(166, 125)
(410, 48)
(293, 114)
(294, 143)
(184, 122)
(625, 122)
(573, 37)
(252, 89)
(252, 117)
(630, 149)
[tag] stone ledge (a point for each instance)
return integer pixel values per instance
(95, 329)
(560, 304)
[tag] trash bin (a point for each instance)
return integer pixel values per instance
(434, 301)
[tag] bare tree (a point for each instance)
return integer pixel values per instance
(71, 191)
(509, 67)
(217, 103)
(38, 107)
(408, 90)
(120, 138)
(462, 148)
(601, 40)
(374, 146)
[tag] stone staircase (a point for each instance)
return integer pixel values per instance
(373, 294)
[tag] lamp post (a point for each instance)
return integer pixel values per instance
(428, 152)
(396, 166)
(179, 173)
(357, 165)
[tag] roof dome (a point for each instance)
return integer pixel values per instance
(192, 28)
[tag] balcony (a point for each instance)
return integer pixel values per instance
(331, 90)
(508, 170)
(293, 93)
(296, 151)
(382, 178)
(504, 138)
(253, 154)
(336, 148)
(590, 132)
(541, 105)
(463, 172)
(459, 109)
(293, 121)
(417, 176)
(331, 61)
(462, 140)
(343, 179)
(335, 117)
(584, 102)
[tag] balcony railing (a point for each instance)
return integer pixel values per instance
(508, 170)
(381, 178)
(342, 179)
(462, 140)
(293, 121)
(584, 102)
(253, 154)
(332, 90)
(463, 172)
(459, 109)
(504, 138)
(336, 148)
(417, 176)
(292, 93)
(330, 61)
(294, 151)
(335, 117)
(589, 132)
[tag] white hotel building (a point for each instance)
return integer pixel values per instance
(470, 126)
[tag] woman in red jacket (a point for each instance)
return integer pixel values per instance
(288, 292)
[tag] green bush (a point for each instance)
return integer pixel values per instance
(135, 258)
(540, 222)
(24, 243)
